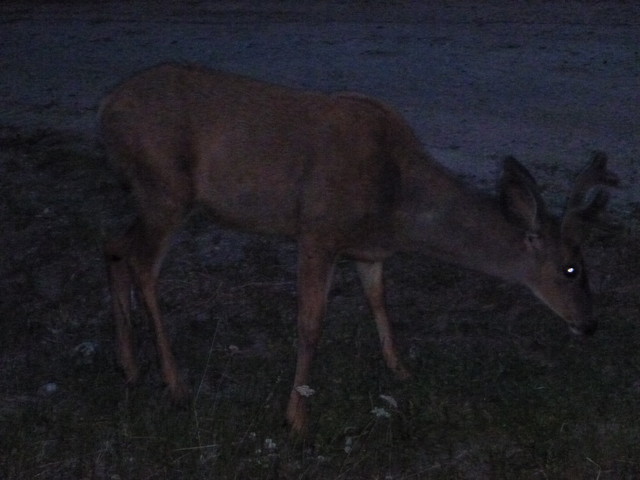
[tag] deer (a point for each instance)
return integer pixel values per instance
(341, 174)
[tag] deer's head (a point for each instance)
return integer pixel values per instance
(554, 268)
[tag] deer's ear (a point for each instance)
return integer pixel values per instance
(519, 196)
(588, 200)
(579, 221)
(533, 242)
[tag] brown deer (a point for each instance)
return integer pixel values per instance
(342, 174)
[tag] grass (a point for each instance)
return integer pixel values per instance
(499, 390)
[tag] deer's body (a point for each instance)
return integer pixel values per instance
(341, 174)
(281, 173)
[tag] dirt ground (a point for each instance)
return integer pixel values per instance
(544, 81)
(547, 82)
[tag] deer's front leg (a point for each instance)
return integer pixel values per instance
(373, 285)
(315, 268)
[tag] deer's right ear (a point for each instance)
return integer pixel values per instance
(519, 196)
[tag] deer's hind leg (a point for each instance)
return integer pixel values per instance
(134, 260)
(120, 286)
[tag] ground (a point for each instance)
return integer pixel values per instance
(499, 390)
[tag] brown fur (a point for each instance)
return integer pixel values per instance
(341, 174)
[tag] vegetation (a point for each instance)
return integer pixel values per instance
(499, 388)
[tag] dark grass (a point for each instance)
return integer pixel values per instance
(499, 389)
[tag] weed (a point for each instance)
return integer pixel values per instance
(498, 389)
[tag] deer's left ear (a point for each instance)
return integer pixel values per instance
(520, 197)
(588, 199)
(578, 222)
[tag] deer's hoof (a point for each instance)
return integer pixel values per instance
(402, 373)
(180, 394)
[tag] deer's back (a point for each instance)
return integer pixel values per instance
(262, 157)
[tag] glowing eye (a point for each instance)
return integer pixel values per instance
(570, 271)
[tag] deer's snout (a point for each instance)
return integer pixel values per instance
(572, 304)
(581, 320)
(584, 329)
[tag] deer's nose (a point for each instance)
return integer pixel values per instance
(585, 330)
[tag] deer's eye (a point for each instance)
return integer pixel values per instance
(570, 271)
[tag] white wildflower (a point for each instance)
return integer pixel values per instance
(381, 413)
(390, 400)
(86, 349)
(48, 389)
(348, 445)
(305, 390)
(269, 444)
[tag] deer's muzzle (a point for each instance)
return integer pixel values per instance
(586, 329)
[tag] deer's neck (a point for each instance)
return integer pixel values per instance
(446, 219)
